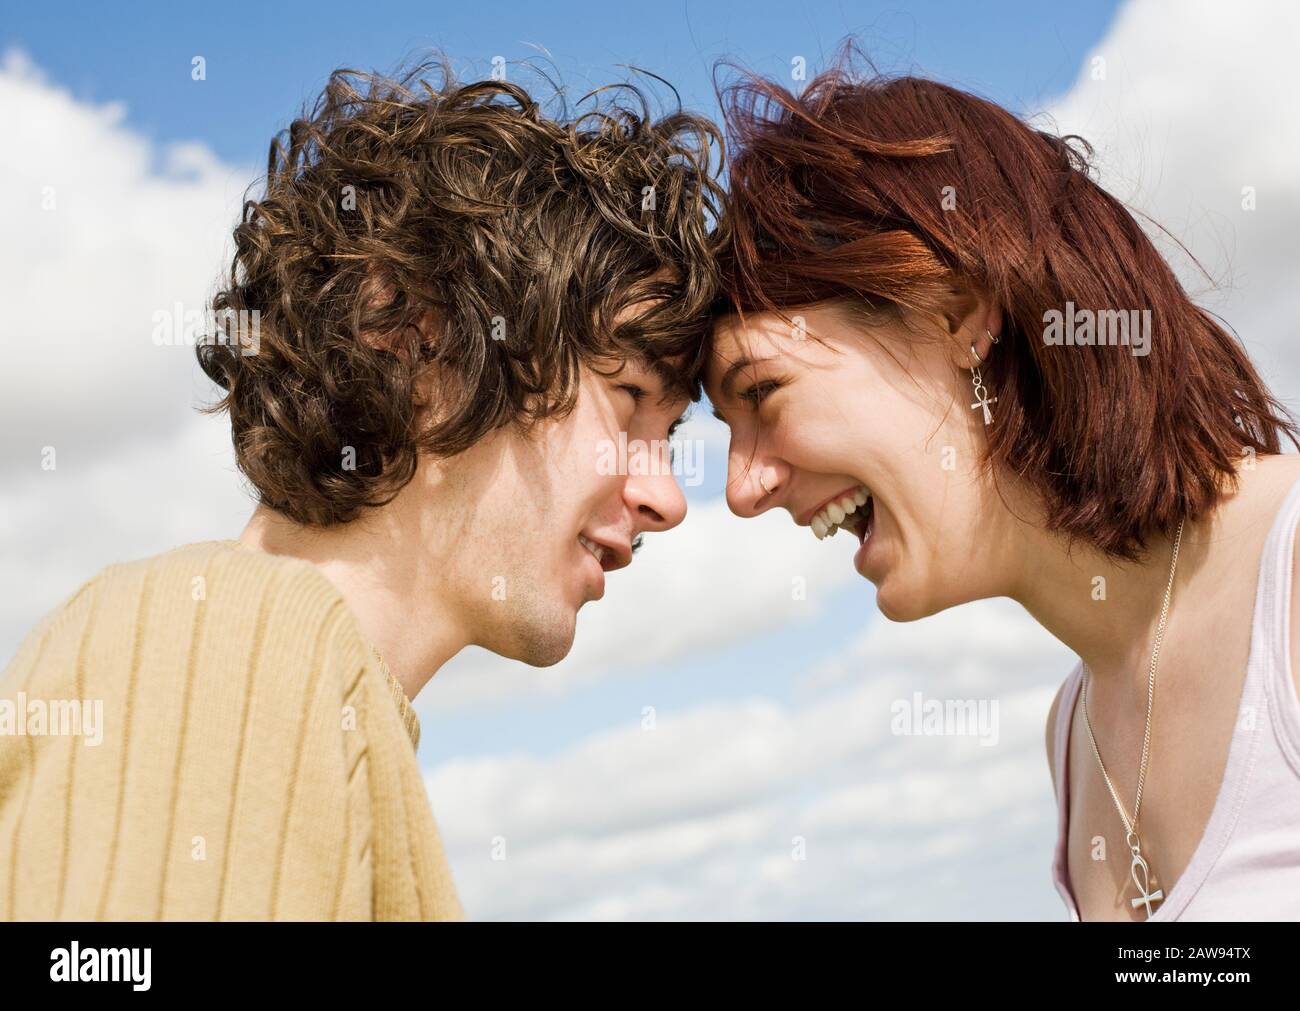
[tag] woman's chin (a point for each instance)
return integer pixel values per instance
(894, 610)
(899, 601)
(898, 597)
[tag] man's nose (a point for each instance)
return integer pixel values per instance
(656, 501)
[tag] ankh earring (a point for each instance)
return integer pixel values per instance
(982, 398)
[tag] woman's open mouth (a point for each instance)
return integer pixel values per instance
(850, 510)
(860, 523)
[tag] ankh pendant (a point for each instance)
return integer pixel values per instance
(1139, 867)
(982, 399)
(984, 402)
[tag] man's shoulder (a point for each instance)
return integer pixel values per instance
(206, 603)
(225, 574)
(234, 592)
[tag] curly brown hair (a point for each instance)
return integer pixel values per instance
(410, 230)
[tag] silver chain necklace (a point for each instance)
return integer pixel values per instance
(1138, 869)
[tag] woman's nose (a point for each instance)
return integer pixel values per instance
(753, 485)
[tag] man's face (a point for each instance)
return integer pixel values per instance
(557, 508)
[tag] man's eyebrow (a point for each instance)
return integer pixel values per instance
(670, 382)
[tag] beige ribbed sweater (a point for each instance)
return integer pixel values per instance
(257, 758)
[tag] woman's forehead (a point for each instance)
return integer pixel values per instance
(733, 340)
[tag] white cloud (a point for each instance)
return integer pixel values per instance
(698, 817)
(58, 528)
(1195, 105)
(112, 228)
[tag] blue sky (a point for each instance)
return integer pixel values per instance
(265, 60)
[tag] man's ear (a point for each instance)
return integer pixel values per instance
(423, 334)
(378, 292)
(408, 344)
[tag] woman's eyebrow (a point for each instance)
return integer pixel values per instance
(743, 362)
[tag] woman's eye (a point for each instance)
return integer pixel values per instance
(636, 391)
(756, 394)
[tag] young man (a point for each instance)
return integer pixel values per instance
(454, 302)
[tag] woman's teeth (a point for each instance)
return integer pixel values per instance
(832, 516)
(594, 548)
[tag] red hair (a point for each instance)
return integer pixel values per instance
(892, 193)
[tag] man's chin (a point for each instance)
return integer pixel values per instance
(548, 655)
(542, 644)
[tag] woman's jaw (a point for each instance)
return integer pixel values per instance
(914, 576)
(850, 508)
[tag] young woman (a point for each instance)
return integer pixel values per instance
(941, 336)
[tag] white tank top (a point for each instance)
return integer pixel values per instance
(1247, 864)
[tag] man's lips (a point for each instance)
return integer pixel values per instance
(611, 552)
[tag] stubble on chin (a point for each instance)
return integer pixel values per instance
(538, 632)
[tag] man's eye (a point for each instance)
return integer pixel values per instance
(756, 394)
(636, 391)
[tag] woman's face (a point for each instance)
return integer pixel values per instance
(823, 414)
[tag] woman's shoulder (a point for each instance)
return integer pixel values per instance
(1263, 481)
(1247, 510)
(1259, 510)
(1053, 718)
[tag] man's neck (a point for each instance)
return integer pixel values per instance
(390, 588)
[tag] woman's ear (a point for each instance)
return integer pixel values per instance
(980, 346)
(974, 325)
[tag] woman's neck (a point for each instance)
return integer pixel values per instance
(1108, 611)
